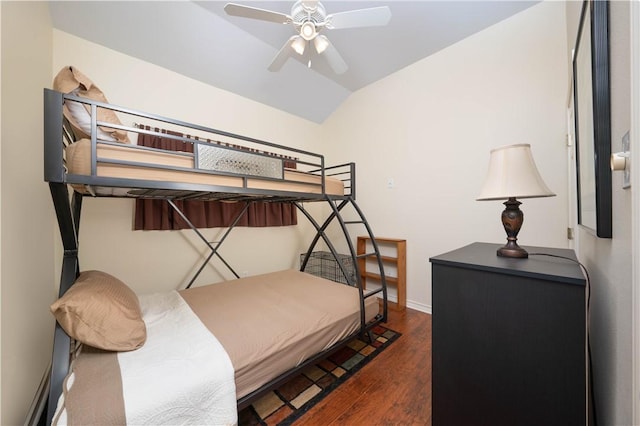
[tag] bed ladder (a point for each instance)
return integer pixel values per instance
(337, 206)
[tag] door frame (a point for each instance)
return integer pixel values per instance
(635, 206)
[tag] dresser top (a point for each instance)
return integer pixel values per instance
(482, 256)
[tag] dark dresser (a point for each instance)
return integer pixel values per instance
(509, 338)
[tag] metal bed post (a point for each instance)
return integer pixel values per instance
(68, 215)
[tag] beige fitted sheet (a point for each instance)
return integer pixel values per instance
(78, 161)
(272, 322)
(267, 324)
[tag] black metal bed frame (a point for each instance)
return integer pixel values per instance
(68, 207)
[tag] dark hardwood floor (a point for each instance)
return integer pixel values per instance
(393, 389)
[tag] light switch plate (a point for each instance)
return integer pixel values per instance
(391, 183)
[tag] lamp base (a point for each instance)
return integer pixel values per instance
(512, 219)
(512, 250)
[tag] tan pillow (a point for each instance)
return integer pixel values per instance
(71, 81)
(101, 311)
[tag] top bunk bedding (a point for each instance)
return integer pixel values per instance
(88, 146)
(120, 161)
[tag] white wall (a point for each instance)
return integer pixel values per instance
(609, 260)
(431, 126)
(159, 260)
(27, 219)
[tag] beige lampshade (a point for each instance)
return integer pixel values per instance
(513, 173)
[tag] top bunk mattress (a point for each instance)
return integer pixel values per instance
(133, 162)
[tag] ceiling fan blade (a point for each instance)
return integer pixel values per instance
(334, 59)
(255, 13)
(282, 56)
(375, 16)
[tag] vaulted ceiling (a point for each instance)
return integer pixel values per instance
(199, 40)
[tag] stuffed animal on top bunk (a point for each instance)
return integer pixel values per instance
(72, 82)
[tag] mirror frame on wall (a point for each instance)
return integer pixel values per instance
(592, 105)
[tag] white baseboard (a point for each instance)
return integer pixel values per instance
(419, 307)
(411, 304)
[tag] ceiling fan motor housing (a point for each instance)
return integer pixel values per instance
(306, 18)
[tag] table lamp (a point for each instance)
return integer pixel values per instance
(513, 174)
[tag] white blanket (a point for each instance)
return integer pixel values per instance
(182, 374)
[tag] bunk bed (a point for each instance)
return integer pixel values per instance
(96, 158)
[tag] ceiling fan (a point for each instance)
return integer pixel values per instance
(309, 19)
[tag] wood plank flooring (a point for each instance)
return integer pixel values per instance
(393, 389)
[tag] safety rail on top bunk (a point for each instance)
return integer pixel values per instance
(59, 133)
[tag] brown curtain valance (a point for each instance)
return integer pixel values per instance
(159, 215)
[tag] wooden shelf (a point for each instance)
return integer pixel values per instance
(390, 259)
(377, 277)
(399, 261)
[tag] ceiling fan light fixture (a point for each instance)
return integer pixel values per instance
(321, 43)
(308, 30)
(299, 45)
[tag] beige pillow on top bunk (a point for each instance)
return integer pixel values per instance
(71, 81)
(101, 311)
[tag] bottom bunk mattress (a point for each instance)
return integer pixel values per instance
(256, 328)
